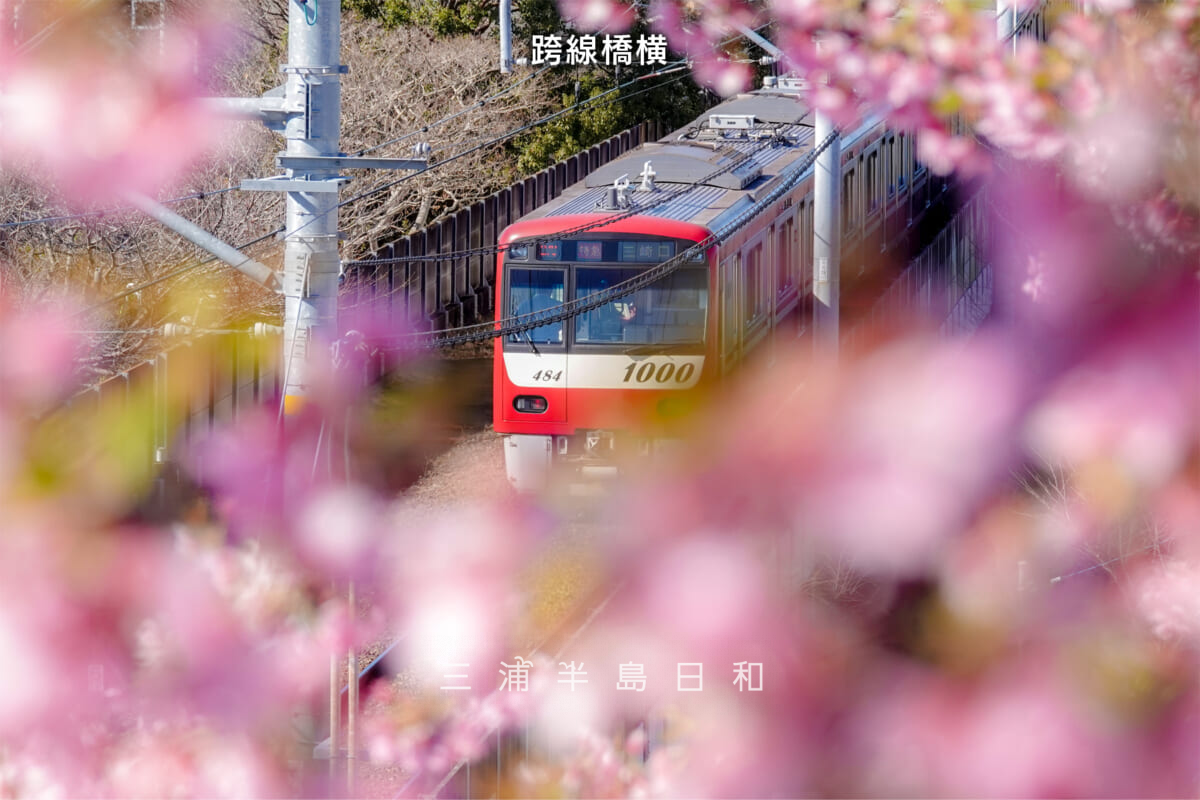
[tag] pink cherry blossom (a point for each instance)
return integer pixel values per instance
(594, 15)
(110, 121)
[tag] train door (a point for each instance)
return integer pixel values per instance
(786, 272)
(851, 206)
(756, 301)
(873, 189)
(804, 263)
(535, 361)
(731, 329)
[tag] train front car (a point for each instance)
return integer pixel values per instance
(611, 379)
(606, 382)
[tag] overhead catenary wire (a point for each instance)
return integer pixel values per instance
(494, 249)
(451, 117)
(662, 198)
(607, 102)
(498, 139)
(1155, 545)
(105, 212)
(205, 194)
(667, 69)
(364, 195)
(476, 105)
(525, 322)
(170, 275)
(1020, 24)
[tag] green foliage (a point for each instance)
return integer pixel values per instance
(567, 135)
(535, 16)
(442, 17)
(668, 99)
(673, 103)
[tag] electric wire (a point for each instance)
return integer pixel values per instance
(1021, 22)
(672, 67)
(521, 323)
(497, 139)
(114, 211)
(664, 197)
(170, 275)
(1108, 563)
(494, 249)
(450, 117)
(478, 104)
(384, 187)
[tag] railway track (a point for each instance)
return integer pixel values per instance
(563, 600)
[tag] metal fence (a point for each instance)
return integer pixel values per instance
(949, 282)
(224, 373)
(440, 292)
(192, 387)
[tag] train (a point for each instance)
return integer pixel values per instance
(579, 392)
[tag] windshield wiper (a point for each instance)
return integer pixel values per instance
(529, 338)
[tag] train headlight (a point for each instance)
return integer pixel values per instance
(530, 404)
(518, 251)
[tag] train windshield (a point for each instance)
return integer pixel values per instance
(532, 290)
(670, 311)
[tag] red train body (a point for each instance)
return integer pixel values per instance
(614, 378)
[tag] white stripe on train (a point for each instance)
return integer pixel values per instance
(603, 370)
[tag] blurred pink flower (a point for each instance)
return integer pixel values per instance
(920, 434)
(105, 122)
(454, 588)
(174, 761)
(726, 78)
(593, 15)
(1115, 156)
(1134, 398)
(944, 154)
(36, 371)
(708, 591)
(1168, 597)
(1009, 735)
(339, 533)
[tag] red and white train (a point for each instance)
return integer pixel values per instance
(579, 391)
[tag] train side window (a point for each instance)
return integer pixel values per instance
(849, 201)
(532, 290)
(805, 249)
(754, 298)
(890, 165)
(732, 268)
(872, 182)
(785, 250)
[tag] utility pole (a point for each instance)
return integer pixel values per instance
(307, 110)
(827, 237)
(506, 62)
(312, 98)
(1006, 21)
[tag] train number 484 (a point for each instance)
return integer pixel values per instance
(548, 375)
(666, 372)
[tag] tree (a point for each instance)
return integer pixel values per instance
(400, 81)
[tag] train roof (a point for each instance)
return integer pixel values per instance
(736, 150)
